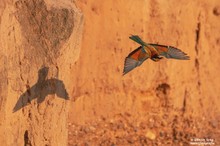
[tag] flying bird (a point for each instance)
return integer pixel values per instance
(153, 51)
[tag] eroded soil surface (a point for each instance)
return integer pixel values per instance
(154, 129)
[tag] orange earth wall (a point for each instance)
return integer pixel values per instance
(192, 26)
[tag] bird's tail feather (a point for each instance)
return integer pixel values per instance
(137, 39)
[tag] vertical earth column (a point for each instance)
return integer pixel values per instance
(39, 43)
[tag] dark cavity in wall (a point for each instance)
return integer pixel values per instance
(162, 92)
(197, 37)
(162, 89)
(197, 40)
(26, 139)
(216, 11)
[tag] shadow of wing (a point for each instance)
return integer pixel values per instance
(25, 98)
(40, 91)
(61, 90)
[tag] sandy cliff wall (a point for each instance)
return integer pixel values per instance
(39, 43)
(173, 87)
(190, 26)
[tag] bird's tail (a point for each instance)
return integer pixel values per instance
(138, 40)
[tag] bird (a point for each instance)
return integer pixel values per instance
(153, 51)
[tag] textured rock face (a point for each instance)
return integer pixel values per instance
(190, 26)
(178, 88)
(39, 43)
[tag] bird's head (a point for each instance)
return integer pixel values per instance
(42, 73)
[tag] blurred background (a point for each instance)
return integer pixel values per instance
(170, 102)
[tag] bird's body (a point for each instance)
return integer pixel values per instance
(152, 51)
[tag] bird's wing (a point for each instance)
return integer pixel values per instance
(138, 40)
(129, 65)
(170, 52)
(134, 59)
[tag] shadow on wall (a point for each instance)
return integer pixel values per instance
(46, 29)
(41, 89)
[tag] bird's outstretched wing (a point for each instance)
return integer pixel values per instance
(170, 52)
(138, 40)
(134, 59)
(129, 65)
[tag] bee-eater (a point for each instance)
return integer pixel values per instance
(152, 51)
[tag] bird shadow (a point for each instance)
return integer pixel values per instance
(41, 89)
